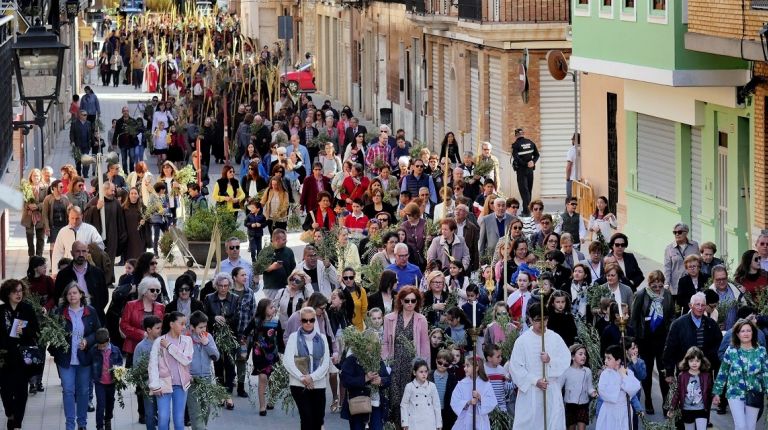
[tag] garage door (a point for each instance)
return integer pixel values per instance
(696, 183)
(556, 107)
(437, 125)
(656, 157)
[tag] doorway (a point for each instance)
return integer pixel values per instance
(722, 195)
(613, 145)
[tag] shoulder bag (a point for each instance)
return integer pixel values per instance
(752, 398)
(359, 405)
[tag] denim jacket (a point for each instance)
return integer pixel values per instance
(115, 359)
(91, 323)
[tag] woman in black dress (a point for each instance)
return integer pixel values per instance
(263, 334)
(139, 235)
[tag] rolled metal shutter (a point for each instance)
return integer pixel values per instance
(696, 194)
(656, 157)
(496, 104)
(474, 101)
(437, 125)
(447, 92)
(556, 107)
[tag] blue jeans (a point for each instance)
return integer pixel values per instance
(139, 153)
(105, 403)
(150, 407)
(128, 157)
(179, 400)
(75, 384)
(376, 422)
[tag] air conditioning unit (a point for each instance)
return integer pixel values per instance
(759, 4)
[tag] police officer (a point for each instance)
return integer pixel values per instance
(524, 158)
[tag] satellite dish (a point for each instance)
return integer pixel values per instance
(557, 64)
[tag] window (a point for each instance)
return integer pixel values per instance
(607, 2)
(581, 7)
(606, 8)
(629, 3)
(657, 11)
(628, 11)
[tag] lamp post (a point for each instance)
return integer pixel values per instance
(38, 60)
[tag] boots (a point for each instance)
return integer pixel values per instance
(241, 390)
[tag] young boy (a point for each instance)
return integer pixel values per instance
(205, 352)
(152, 327)
(616, 383)
(104, 356)
(637, 366)
(255, 222)
(445, 382)
(498, 376)
(473, 295)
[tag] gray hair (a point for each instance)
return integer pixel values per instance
(222, 276)
(681, 226)
(401, 247)
(719, 268)
(499, 199)
(385, 126)
(308, 310)
(232, 239)
(698, 297)
(488, 144)
(147, 283)
(404, 161)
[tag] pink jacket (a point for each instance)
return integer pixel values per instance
(420, 336)
(159, 372)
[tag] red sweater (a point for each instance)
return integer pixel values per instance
(351, 222)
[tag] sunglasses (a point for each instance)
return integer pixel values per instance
(183, 289)
(572, 204)
(676, 232)
(410, 301)
(757, 259)
(537, 209)
(154, 290)
(442, 363)
(348, 278)
(308, 320)
(296, 280)
(418, 166)
(517, 227)
(154, 263)
(620, 244)
(234, 247)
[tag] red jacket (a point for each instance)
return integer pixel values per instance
(682, 388)
(352, 191)
(309, 192)
(132, 323)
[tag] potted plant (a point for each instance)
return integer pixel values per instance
(198, 230)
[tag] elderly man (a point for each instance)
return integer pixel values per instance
(235, 260)
(727, 292)
(692, 329)
(324, 277)
(470, 232)
(222, 307)
(283, 263)
(262, 137)
(88, 277)
(81, 137)
(352, 130)
(487, 156)
(407, 273)
(674, 256)
(492, 227)
(761, 246)
(116, 234)
(449, 246)
(76, 230)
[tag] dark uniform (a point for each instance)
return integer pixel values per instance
(523, 151)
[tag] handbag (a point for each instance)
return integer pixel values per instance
(359, 405)
(752, 398)
(32, 355)
(309, 235)
(302, 363)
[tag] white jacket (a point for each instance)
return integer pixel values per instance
(420, 407)
(294, 375)
(327, 278)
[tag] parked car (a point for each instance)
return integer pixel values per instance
(300, 80)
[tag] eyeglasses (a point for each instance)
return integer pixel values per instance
(410, 301)
(308, 320)
(571, 204)
(757, 259)
(154, 290)
(348, 278)
(234, 247)
(620, 244)
(676, 232)
(392, 241)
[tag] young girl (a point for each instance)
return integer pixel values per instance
(169, 376)
(420, 407)
(159, 220)
(561, 319)
(616, 384)
(487, 279)
(517, 302)
(445, 381)
(457, 280)
(577, 381)
(457, 362)
(376, 322)
(130, 265)
(435, 344)
(457, 326)
(497, 329)
(693, 388)
(481, 399)
(265, 328)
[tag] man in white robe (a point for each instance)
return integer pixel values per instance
(526, 366)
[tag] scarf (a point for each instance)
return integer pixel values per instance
(656, 313)
(317, 348)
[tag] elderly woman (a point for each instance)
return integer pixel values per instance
(448, 246)
(292, 297)
(652, 314)
(414, 226)
(221, 307)
(348, 253)
(572, 256)
(675, 254)
(435, 297)
(337, 184)
(80, 324)
(132, 321)
(183, 301)
(621, 293)
(14, 381)
(692, 282)
(307, 360)
(31, 217)
(404, 329)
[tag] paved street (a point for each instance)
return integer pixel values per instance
(44, 410)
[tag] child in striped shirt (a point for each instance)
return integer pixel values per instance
(498, 376)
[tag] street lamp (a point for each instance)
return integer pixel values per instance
(39, 59)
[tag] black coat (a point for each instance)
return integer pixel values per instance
(12, 345)
(632, 271)
(685, 289)
(376, 300)
(97, 287)
(682, 335)
(196, 305)
(640, 308)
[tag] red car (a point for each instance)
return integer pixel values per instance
(301, 80)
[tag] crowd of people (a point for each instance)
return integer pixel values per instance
(486, 308)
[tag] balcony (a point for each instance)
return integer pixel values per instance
(509, 11)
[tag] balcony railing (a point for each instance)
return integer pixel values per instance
(515, 10)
